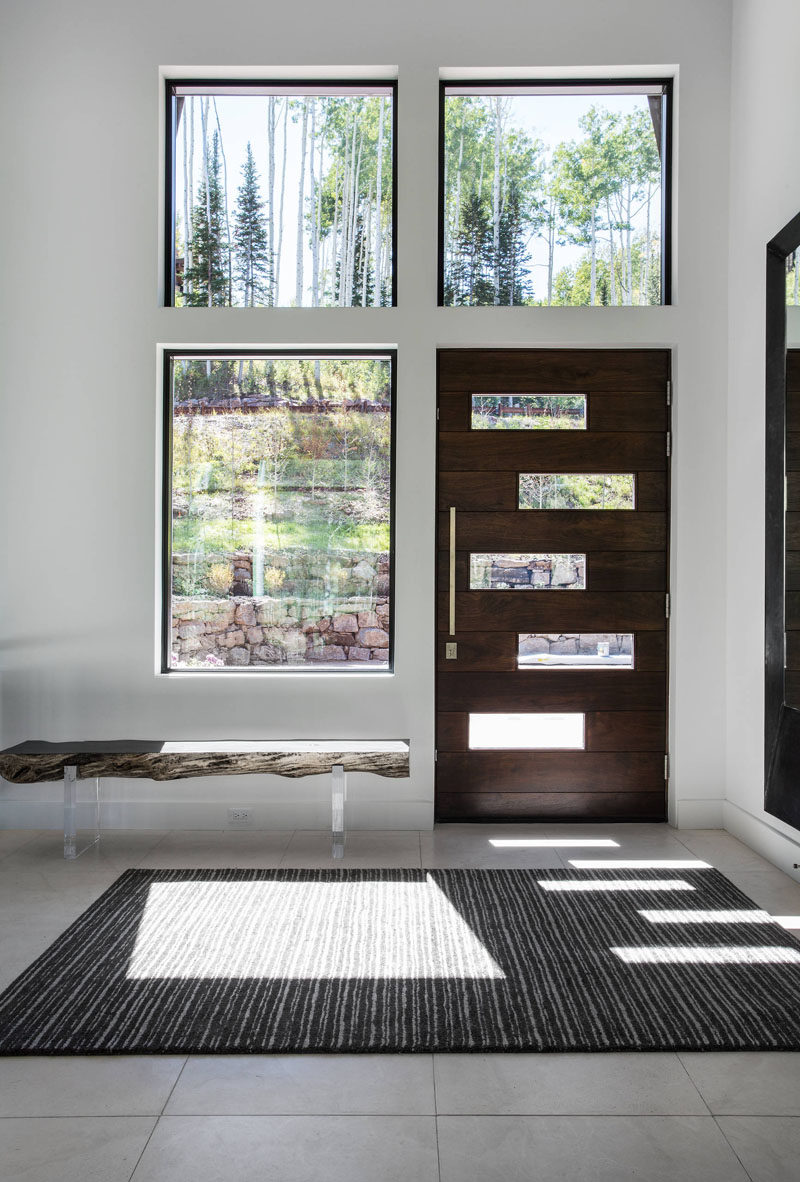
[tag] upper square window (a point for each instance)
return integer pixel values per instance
(280, 195)
(555, 193)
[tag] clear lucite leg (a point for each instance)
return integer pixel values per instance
(338, 796)
(70, 800)
(70, 814)
(96, 810)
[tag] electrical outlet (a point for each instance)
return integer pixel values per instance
(240, 817)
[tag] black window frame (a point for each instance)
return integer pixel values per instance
(570, 86)
(235, 352)
(274, 85)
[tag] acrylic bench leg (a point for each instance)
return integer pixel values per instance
(70, 801)
(338, 796)
(96, 839)
(71, 850)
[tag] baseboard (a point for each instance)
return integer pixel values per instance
(777, 847)
(700, 814)
(115, 814)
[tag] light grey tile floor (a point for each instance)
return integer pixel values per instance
(585, 1149)
(380, 1117)
(767, 1146)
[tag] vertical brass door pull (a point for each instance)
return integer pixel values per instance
(452, 570)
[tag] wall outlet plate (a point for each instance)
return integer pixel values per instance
(240, 818)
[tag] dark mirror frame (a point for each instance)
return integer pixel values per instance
(781, 721)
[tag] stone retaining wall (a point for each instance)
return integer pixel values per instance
(245, 630)
(321, 607)
(565, 645)
(498, 572)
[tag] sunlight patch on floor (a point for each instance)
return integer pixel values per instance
(639, 864)
(722, 954)
(513, 843)
(700, 916)
(615, 884)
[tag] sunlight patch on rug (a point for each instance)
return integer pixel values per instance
(381, 930)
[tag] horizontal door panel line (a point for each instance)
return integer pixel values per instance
(556, 611)
(567, 806)
(555, 699)
(533, 531)
(570, 452)
(551, 371)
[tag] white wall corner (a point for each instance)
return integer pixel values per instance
(699, 814)
(777, 847)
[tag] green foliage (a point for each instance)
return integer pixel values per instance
(576, 491)
(216, 535)
(541, 412)
(340, 378)
(601, 192)
(512, 252)
(351, 130)
(253, 265)
(206, 280)
(279, 481)
(469, 278)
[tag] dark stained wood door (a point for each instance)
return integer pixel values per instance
(792, 604)
(552, 610)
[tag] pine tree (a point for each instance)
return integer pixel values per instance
(207, 278)
(512, 251)
(469, 280)
(251, 248)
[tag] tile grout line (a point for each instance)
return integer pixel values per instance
(436, 1119)
(339, 1115)
(692, 1082)
(158, 1119)
(174, 1086)
(144, 1148)
(732, 1149)
(153, 849)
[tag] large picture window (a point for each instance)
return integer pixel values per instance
(279, 194)
(278, 510)
(555, 193)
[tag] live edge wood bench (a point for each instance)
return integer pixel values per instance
(37, 762)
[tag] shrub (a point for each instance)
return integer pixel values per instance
(274, 578)
(220, 577)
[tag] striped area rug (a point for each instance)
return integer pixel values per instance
(179, 961)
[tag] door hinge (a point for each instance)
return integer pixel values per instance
(669, 393)
(437, 414)
(669, 444)
(666, 605)
(435, 755)
(666, 767)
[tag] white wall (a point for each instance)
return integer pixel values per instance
(765, 195)
(81, 322)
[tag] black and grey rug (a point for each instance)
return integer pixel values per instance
(178, 961)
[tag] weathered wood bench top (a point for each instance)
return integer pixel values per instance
(35, 762)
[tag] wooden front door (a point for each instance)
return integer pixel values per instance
(552, 604)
